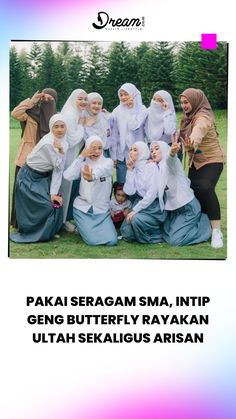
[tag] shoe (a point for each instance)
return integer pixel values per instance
(69, 227)
(216, 239)
(57, 236)
(119, 237)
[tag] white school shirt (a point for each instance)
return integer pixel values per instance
(178, 191)
(116, 206)
(142, 180)
(131, 123)
(163, 129)
(96, 193)
(45, 158)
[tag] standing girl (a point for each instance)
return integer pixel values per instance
(144, 222)
(38, 203)
(161, 120)
(185, 223)
(34, 115)
(97, 121)
(200, 139)
(92, 207)
(127, 125)
(74, 111)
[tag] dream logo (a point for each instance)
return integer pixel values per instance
(104, 21)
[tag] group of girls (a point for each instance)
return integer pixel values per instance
(73, 165)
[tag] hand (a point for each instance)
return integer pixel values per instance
(187, 144)
(130, 102)
(87, 173)
(57, 198)
(112, 214)
(129, 164)
(125, 212)
(174, 149)
(165, 105)
(91, 121)
(36, 97)
(86, 152)
(45, 97)
(175, 137)
(129, 217)
(57, 145)
(114, 163)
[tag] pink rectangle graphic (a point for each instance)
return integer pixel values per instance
(209, 41)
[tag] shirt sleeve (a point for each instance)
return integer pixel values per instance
(129, 186)
(137, 119)
(152, 190)
(200, 129)
(19, 112)
(105, 170)
(74, 170)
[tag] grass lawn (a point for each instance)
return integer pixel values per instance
(72, 246)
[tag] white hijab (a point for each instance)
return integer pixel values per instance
(143, 155)
(155, 124)
(100, 126)
(72, 112)
(49, 138)
(123, 114)
(163, 170)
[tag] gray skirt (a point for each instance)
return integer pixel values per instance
(36, 218)
(95, 229)
(187, 225)
(146, 225)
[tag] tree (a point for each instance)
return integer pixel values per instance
(16, 79)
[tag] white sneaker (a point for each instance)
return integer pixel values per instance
(69, 227)
(216, 239)
(119, 237)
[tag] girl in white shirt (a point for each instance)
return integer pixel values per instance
(127, 126)
(74, 110)
(144, 222)
(161, 121)
(38, 202)
(185, 223)
(91, 208)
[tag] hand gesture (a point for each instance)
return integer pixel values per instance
(165, 105)
(87, 173)
(174, 149)
(129, 164)
(82, 120)
(57, 145)
(36, 97)
(130, 102)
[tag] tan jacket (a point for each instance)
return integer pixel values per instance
(205, 140)
(28, 141)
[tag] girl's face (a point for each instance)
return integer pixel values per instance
(81, 101)
(96, 148)
(185, 104)
(59, 129)
(156, 154)
(158, 99)
(133, 154)
(95, 106)
(120, 196)
(124, 96)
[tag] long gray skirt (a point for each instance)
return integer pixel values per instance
(95, 229)
(36, 218)
(187, 225)
(146, 225)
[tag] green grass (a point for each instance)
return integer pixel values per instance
(72, 246)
